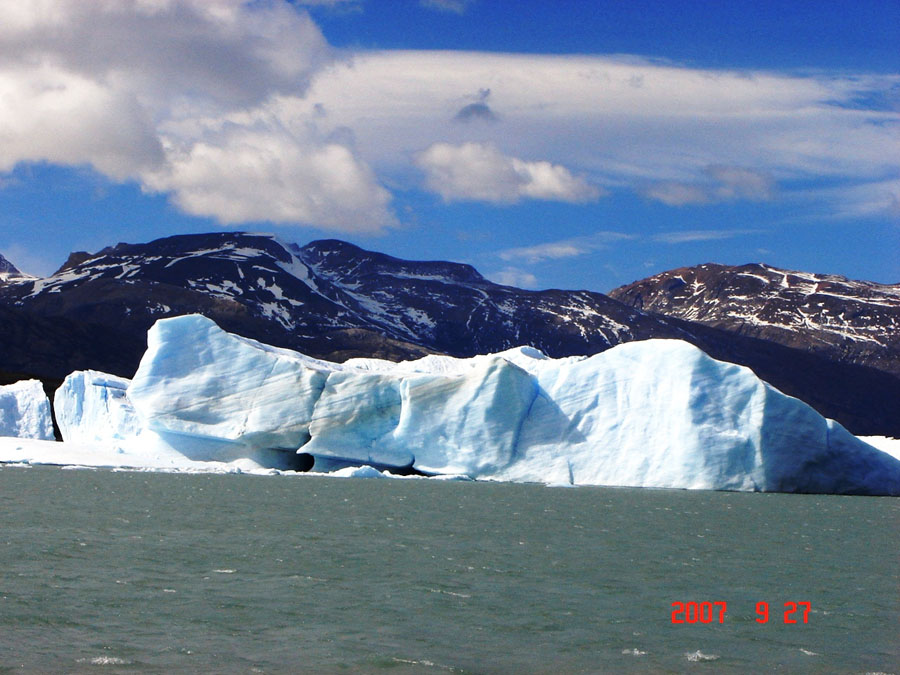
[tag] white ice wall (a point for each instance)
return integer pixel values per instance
(93, 407)
(197, 380)
(657, 413)
(25, 411)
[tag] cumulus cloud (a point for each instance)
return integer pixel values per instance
(564, 248)
(475, 111)
(480, 172)
(223, 52)
(65, 118)
(180, 95)
(247, 174)
(170, 93)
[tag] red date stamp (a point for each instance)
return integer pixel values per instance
(714, 612)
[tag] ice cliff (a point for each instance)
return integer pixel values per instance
(25, 411)
(657, 413)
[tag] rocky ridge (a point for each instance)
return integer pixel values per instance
(832, 316)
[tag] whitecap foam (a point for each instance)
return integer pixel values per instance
(456, 595)
(423, 662)
(105, 661)
(699, 656)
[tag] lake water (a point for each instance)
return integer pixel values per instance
(106, 572)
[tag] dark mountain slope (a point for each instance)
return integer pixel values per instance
(334, 300)
(840, 319)
(451, 308)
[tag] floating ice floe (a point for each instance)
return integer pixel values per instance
(657, 413)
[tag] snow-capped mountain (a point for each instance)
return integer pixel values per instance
(320, 297)
(254, 284)
(9, 272)
(333, 300)
(452, 309)
(843, 320)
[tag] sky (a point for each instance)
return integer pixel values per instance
(566, 144)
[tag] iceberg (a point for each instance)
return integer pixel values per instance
(93, 407)
(661, 413)
(884, 443)
(464, 423)
(25, 411)
(656, 413)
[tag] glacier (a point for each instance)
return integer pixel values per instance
(655, 413)
(25, 411)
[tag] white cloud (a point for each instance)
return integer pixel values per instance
(480, 172)
(879, 199)
(48, 115)
(454, 6)
(724, 183)
(578, 246)
(181, 96)
(225, 53)
(686, 135)
(513, 276)
(674, 193)
(687, 236)
(242, 110)
(244, 174)
(550, 251)
(565, 248)
(735, 182)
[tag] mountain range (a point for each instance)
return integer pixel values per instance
(842, 320)
(827, 340)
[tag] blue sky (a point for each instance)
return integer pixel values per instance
(551, 144)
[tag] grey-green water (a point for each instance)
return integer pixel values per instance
(135, 572)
